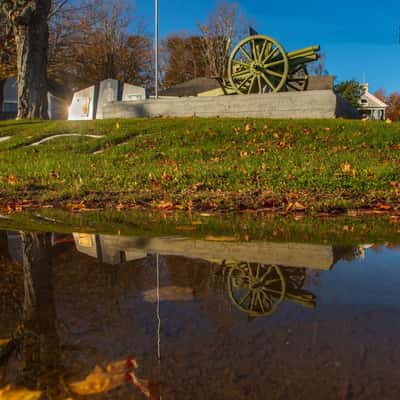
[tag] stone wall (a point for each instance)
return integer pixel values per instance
(307, 104)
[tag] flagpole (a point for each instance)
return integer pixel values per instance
(156, 49)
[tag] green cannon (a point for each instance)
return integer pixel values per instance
(259, 64)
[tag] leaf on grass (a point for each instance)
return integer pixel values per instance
(166, 177)
(346, 167)
(186, 228)
(249, 128)
(154, 184)
(164, 205)
(4, 341)
(296, 207)
(11, 393)
(384, 207)
(221, 238)
(11, 179)
(120, 207)
(13, 206)
(77, 206)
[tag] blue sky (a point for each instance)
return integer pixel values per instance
(359, 38)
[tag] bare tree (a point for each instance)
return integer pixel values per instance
(318, 67)
(182, 59)
(99, 39)
(224, 27)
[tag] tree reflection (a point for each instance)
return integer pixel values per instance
(40, 353)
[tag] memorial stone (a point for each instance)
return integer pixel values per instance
(83, 104)
(132, 93)
(109, 91)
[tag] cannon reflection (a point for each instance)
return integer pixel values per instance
(259, 289)
(272, 273)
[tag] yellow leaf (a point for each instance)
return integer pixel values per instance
(8, 393)
(11, 179)
(186, 228)
(299, 207)
(221, 238)
(346, 167)
(4, 341)
(164, 205)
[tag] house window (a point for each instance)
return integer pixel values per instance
(364, 101)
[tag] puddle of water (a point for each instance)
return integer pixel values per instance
(99, 316)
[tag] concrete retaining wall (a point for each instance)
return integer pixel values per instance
(307, 104)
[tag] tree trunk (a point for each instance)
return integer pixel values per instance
(32, 41)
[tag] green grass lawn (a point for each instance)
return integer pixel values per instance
(323, 165)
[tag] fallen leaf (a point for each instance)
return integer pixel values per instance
(166, 177)
(248, 128)
(164, 205)
(9, 393)
(221, 238)
(4, 341)
(11, 179)
(186, 228)
(299, 207)
(346, 167)
(384, 206)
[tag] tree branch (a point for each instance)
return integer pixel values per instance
(57, 8)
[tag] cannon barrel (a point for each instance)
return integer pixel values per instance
(303, 60)
(302, 52)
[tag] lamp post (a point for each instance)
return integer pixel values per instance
(156, 49)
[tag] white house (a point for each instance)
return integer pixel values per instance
(370, 107)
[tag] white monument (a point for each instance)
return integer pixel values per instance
(132, 93)
(83, 104)
(109, 91)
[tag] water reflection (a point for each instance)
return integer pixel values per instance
(108, 317)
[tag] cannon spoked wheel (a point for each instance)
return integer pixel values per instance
(258, 64)
(256, 289)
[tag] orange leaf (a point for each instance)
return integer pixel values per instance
(11, 179)
(299, 207)
(166, 177)
(186, 228)
(346, 167)
(164, 205)
(221, 238)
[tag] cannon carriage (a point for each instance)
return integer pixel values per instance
(260, 64)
